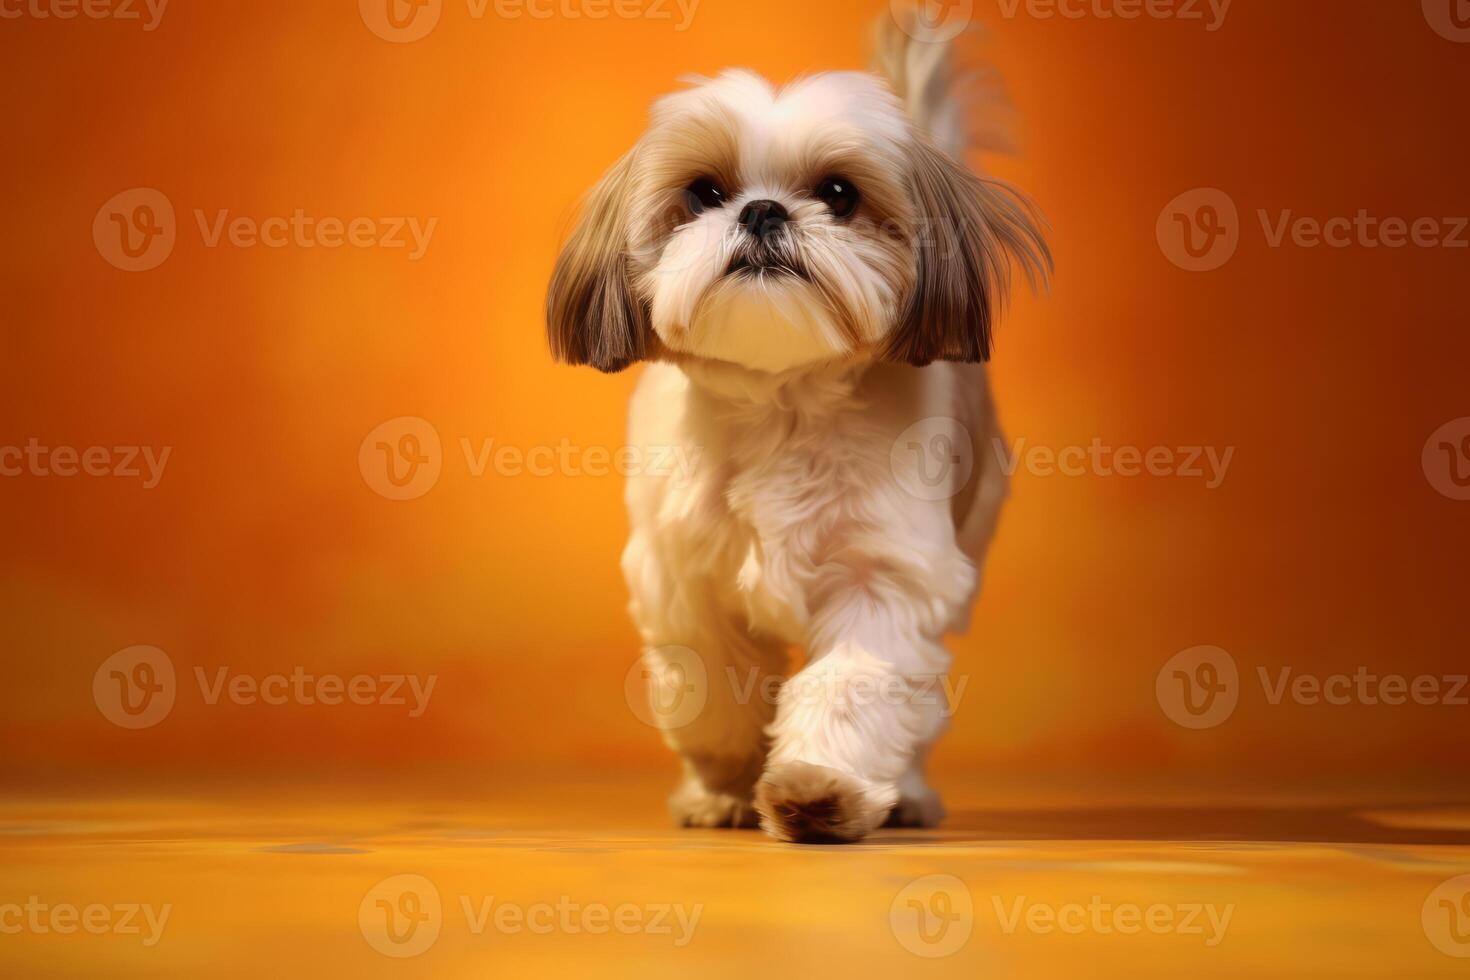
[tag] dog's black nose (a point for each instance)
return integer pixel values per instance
(763, 218)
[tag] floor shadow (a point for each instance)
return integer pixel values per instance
(1446, 824)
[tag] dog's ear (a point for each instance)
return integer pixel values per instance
(969, 232)
(592, 314)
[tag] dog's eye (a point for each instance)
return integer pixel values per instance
(839, 194)
(703, 195)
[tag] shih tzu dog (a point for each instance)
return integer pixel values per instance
(813, 273)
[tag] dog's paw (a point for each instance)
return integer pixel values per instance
(806, 804)
(922, 810)
(694, 806)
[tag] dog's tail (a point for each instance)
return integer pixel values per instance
(962, 108)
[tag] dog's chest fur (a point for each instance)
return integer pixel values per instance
(788, 498)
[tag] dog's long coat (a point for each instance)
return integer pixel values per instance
(821, 375)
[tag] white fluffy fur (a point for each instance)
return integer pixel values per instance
(794, 528)
(774, 325)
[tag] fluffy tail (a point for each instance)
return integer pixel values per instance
(962, 108)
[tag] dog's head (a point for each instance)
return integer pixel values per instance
(777, 229)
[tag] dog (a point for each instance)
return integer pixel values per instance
(812, 274)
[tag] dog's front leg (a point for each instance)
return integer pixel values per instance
(710, 680)
(710, 692)
(851, 728)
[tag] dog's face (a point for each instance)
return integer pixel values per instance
(782, 229)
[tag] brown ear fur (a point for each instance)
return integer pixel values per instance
(970, 231)
(592, 315)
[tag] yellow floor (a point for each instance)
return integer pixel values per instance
(587, 879)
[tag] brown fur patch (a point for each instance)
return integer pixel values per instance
(805, 804)
(592, 314)
(969, 233)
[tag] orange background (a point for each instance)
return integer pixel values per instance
(264, 549)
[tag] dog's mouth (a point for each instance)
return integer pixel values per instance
(760, 266)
